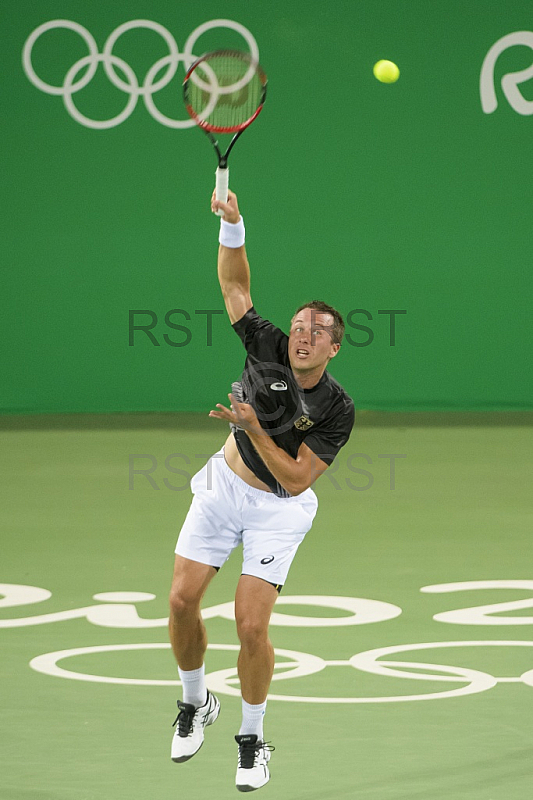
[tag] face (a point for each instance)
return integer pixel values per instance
(311, 342)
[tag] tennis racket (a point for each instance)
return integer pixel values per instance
(224, 91)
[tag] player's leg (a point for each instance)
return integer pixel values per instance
(254, 602)
(188, 637)
(209, 534)
(274, 529)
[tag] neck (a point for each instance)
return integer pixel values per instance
(306, 379)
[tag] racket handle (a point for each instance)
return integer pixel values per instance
(222, 184)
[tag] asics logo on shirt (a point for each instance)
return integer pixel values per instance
(279, 386)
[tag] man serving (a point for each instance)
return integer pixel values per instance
(288, 418)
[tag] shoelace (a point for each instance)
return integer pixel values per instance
(184, 720)
(248, 753)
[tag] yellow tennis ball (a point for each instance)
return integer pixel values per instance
(386, 71)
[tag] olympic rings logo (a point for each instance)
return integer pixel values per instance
(131, 86)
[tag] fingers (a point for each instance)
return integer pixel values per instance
(241, 414)
(230, 209)
(229, 414)
(218, 204)
(223, 413)
(231, 195)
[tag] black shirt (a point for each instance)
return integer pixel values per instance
(323, 416)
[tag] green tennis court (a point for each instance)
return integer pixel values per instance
(404, 652)
(76, 523)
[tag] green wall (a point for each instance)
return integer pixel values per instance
(406, 197)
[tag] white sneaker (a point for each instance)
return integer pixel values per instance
(191, 721)
(252, 769)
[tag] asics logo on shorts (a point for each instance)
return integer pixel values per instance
(279, 386)
(121, 75)
(267, 560)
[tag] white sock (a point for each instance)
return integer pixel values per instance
(194, 689)
(252, 719)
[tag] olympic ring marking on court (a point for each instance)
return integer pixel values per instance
(72, 84)
(305, 664)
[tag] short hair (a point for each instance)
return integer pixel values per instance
(337, 329)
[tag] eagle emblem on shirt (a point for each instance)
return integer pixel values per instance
(303, 423)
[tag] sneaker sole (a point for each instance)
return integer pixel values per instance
(186, 758)
(242, 788)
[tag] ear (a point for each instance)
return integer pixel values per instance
(335, 347)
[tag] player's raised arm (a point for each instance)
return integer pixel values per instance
(233, 268)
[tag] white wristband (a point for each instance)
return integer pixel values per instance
(231, 233)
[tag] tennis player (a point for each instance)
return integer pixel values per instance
(288, 420)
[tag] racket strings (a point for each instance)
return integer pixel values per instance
(208, 92)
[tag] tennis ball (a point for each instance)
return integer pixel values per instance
(386, 71)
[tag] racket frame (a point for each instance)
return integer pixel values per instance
(222, 173)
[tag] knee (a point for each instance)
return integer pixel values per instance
(251, 631)
(182, 602)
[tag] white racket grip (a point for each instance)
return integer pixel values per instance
(221, 189)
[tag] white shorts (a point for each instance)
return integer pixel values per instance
(226, 511)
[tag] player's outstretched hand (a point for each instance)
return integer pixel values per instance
(230, 209)
(241, 414)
